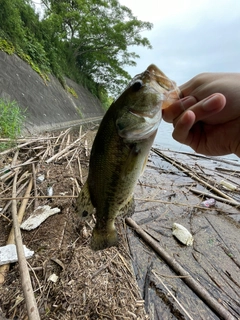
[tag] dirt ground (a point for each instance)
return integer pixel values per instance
(130, 281)
(90, 285)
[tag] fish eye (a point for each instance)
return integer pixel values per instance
(137, 85)
(84, 214)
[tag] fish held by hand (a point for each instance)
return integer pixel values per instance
(120, 152)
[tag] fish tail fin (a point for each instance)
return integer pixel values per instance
(84, 206)
(103, 238)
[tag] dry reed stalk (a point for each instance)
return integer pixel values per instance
(61, 135)
(189, 172)
(35, 186)
(31, 304)
(80, 132)
(7, 175)
(39, 197)
(80, 170)
(9, 203)
(172, 295)
(67, 153)
(22, 178)
(210, 195)
(73, 157)
(18, 146)
(219, 309)
(62, 151)
(29, 161)
(4, 268)
(77, 185)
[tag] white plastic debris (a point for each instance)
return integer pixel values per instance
(228, 185)
(182, 234)
(40, 178)
(208, 203)
(8, 254)
(39, 215)
(53, 277)
(50, 191)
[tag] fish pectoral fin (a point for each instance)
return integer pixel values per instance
(84, 206)
(134, 127)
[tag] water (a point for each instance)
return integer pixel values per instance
(164, 140)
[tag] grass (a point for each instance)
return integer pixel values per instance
(11, 121)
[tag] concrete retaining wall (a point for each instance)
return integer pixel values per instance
(48, 106)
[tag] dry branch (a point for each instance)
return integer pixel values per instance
(188, 279)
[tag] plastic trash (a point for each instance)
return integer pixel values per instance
(209, 203)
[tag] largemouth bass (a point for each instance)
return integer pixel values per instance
(120, 151)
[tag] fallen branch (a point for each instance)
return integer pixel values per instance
(188, 279)
(31, 304)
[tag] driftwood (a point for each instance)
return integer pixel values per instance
(31, 304)
(218, 308)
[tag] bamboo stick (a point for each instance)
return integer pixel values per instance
(4, 268)
(39, 197)
(35, 187)
(31, 304)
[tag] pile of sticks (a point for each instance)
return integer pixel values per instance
(18, 176)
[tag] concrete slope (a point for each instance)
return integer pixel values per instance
(48, 106)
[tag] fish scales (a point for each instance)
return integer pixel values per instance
(120, 151)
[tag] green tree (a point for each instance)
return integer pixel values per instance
(98, 35)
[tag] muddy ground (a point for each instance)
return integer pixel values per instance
(130, 281)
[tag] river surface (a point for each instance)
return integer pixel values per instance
(164, 140)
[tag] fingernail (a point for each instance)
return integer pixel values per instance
(209, 103)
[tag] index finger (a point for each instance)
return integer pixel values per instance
(177, 108)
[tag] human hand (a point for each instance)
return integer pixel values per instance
(207, 118)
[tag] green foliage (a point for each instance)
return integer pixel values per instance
(98, 35)
(11, 120)
(6, 46)
(87, 40)
(72, 91)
